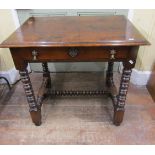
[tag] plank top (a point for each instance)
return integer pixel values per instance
(75, 31)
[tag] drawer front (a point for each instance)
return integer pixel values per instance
(74, 54)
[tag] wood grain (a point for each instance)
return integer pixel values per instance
(75, 31)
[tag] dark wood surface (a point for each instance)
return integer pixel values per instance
(75, 31)
(64, 39)
(59, 54)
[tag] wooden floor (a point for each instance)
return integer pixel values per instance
(76, 120)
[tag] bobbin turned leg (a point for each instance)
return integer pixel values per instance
(109, 75)
(45, 86)
(110, 83)
(120, 107)
(35, 110)
(46, 73)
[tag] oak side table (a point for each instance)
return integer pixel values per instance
(75, 39)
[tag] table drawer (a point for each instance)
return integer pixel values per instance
(74, 54)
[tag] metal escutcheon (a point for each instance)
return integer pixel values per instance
(112, 54)
(34, 54)
(73, 52)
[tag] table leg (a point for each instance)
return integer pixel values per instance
(119, 108)
(110, 83)
(46, 73)
(35, 110)
(45, 86)
(109, 75)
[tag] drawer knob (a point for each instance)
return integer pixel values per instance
(73, 52)
(34, 54)
(112, 54)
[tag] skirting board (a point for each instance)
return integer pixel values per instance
(11, 75)
(140, 77)
(137, 77)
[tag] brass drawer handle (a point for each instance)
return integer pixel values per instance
(112, 54)
(34, 54)
(73, 52)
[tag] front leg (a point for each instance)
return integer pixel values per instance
(35, 110)
(120, 106)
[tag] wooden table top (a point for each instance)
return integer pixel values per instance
(75, 31)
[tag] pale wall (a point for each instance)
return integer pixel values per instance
(7, 26)
(144, 20)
